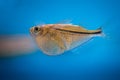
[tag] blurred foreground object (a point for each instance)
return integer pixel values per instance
(13, 45)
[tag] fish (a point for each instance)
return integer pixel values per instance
(56, 39)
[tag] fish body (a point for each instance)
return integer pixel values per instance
(55, 39)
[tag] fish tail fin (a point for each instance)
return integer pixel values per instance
(101, 32)
(100, 29)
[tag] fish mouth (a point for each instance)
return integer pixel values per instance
(31, 31)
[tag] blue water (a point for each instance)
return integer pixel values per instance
(98, 59)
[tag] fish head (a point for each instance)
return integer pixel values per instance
(35, 31)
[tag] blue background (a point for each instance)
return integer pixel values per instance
(98, 59)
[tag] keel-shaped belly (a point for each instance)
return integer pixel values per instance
(51, 46)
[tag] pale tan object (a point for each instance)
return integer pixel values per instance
(14, 45)
(54, 39)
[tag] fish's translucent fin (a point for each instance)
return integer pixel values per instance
(67, 21)
(80, 41)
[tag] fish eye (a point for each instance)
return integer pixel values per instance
(36, 29)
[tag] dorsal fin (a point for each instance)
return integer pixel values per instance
(67, 21)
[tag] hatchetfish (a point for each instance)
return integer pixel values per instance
(55, 39)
